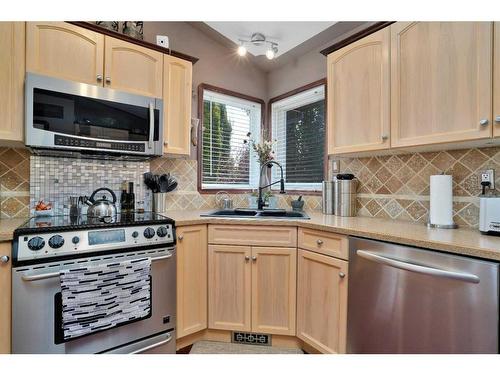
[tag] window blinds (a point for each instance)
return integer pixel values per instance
(298, 126)
(227, 159)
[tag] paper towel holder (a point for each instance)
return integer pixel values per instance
(443, 226)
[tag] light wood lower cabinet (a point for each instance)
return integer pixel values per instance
(65, 51)
(441, 74)
(192, 267)
(177, 97)
(5, 299)
(274, 278)
(496, 81)
(229, 287)
(129, 67)
(322, 301)
(252, 289)
(12, 45)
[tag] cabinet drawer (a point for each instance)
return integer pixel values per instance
(323, 242)
(252, 235)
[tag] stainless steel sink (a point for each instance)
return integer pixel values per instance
(257, 214)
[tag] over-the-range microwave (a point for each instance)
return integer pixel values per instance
(67, 118)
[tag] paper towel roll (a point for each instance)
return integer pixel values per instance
(441, 212)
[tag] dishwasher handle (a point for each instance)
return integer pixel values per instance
(426, 270)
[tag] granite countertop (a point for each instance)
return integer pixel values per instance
(463, 241)
(460, 241)
(7, 227)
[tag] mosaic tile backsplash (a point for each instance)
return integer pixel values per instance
(397, 186)
(56, 179)
(14, 182)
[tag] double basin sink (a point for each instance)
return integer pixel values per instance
(249, 213)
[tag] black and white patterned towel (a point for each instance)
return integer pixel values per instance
(99, 297)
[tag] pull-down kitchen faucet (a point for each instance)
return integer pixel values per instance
(260, 202)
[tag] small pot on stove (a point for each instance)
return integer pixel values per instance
(101, 208)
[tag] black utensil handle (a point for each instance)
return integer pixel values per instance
(103, 189)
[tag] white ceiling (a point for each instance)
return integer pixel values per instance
(287, 34)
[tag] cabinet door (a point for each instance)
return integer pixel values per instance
(191, 279)
(496, 81)
(359, 96)
(12, 45)
(322, 301)
(65, 51)
(441, 76)
(177, 82)
(229, 287)
(274, 279)
(5, 299)
(129, 67)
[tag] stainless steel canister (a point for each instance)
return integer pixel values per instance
(345, 197)
(159, 202)
(328, 198)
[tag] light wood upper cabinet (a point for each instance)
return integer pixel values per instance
(5, 299)
(177, 86)
(441, 74)
(192, 253)
(65, 51)
(359, 95)
(12, 47)
(322, 301)
(496, 81)
(274, 280)
(229, 287)
(132, 68)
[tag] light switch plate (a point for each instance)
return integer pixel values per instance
(162, 41)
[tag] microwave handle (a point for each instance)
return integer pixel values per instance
(151, 125)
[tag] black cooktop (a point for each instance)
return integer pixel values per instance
(62, 223)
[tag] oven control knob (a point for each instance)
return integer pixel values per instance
(161, 231)
(36, 243)
(149, 232)
(75, 239)
(56, 241)
(135, 234)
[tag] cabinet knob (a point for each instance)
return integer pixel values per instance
(254, 258)
(180, 237)
(4, 259)
(319, 242)
(385, 137)
(165, 143)
(483, 122)
(247, 258)
(99, 77)
(341, 275)
(108, 79)
(497, 119)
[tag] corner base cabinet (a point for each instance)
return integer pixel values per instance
(322, 301)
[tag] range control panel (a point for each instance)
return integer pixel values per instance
(46, 245)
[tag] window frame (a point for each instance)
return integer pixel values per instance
(201, 88)
(309, 86)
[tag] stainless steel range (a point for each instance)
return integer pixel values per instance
(45, 247)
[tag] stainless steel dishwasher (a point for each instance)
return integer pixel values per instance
(409, 300)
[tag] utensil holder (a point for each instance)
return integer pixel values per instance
(159, 202)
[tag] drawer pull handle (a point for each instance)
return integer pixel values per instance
(319, 242)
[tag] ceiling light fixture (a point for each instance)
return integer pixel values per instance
(258, 39)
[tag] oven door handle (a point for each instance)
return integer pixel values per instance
(50, 275)
(152, 346)
(151, 125)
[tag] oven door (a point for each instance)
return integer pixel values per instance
(75, 116)
(35, 319)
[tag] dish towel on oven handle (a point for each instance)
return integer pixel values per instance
(99, 297)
